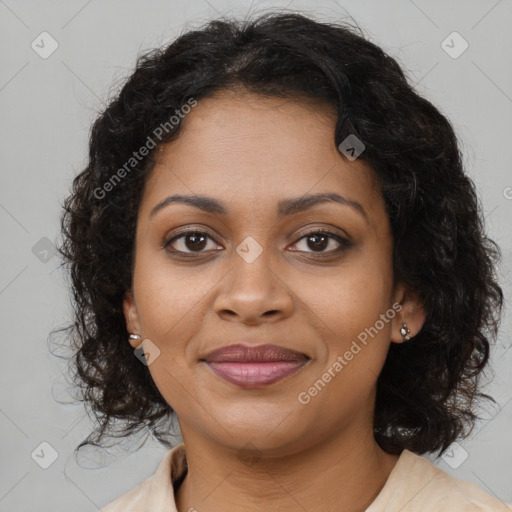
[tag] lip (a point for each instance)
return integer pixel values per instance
(252, 367)
(253, 354)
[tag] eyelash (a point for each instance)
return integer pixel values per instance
(344, 243)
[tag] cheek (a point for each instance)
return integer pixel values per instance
(354, 298)
(169, 304)
(167, 297)
(350, 305)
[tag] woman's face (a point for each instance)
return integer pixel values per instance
(253, 277)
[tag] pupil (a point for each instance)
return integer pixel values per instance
(198, 241)
(322, 244)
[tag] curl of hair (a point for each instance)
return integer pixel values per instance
(428, 388)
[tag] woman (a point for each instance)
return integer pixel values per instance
(275, 241)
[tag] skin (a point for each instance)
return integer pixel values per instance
(249, 152)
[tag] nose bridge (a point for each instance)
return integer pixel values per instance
(252, 272)
(254, 250)
(252, 286)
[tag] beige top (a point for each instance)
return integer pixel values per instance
(414, 485)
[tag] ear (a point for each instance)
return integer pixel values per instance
(132, 318)
(411, 313)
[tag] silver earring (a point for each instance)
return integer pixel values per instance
(404, 331)
(135, 336)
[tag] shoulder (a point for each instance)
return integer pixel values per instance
(133, 500)
(155, 492)
(416, 484)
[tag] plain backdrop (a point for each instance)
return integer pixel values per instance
(47, 104)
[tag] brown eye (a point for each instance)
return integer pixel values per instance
(319, 241)
(189, 241)
(194, 241)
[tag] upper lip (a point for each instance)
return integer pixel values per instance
(253, 354)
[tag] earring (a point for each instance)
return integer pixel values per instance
(404, 331)
(135, 336)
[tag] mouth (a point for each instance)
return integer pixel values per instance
(253, 367)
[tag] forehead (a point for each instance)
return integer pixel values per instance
(250, 150)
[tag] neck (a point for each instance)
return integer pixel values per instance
(343, 473)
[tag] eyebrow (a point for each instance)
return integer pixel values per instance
(285, 207)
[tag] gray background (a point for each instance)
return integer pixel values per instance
(47, 106)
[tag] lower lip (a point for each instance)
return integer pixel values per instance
(255, 375)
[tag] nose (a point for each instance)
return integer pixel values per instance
(252, 293)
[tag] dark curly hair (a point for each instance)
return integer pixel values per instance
(428, 390)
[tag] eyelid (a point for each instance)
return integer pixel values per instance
(331, 230)
(315, 229)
